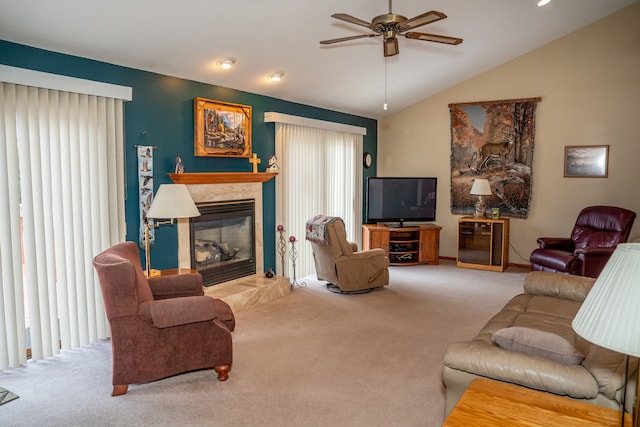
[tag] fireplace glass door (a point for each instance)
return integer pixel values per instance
(223, 241)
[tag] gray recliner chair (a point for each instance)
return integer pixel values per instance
(340, 263)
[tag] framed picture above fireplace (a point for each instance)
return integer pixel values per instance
(221, 129)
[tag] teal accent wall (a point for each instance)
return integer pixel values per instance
(161, 114)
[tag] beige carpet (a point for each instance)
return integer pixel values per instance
(313, 358)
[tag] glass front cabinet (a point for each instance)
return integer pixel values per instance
(483, 243)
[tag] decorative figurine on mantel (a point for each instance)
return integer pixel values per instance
(255, 161)
(273, 166)
(179, 165)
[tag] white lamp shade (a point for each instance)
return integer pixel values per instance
(610, 315)
(173, 201)
(481, 187)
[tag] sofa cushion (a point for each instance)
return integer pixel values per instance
(538, 343)
(543, 313)
(562, 286)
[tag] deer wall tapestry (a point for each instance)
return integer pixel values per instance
(493, 140)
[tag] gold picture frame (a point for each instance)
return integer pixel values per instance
(221, 129)
(586, 161)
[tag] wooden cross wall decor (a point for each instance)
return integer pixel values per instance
(255, 161)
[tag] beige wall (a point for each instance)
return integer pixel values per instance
(589, 83)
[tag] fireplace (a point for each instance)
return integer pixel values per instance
(223, 240)
(216, 188)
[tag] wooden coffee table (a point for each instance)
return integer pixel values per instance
(496, 404)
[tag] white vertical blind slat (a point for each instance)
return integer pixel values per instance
(118, 229)
(24, 129)
(73, 215)
(6, 310)
(58, 163)
(47, 283)
(84, 228)
(96, 132)
(66, 292)
(100, 198)
(75, 128)
(10, 239)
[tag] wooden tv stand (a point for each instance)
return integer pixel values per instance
(404, 245)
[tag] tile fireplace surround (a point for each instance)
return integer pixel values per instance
(243, 293)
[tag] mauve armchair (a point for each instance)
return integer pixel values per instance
(161, 326)
(595, 235)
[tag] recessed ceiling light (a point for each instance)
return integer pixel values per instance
(226, 63)
(276, 77)
(543, 2)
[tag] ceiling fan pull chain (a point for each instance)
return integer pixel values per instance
(384, 106)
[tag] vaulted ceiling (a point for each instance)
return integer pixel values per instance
(186, 39)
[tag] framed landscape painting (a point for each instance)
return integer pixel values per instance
(586, 161)
(221, 129)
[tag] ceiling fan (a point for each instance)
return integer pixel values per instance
(390, 26)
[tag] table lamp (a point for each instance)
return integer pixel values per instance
(480, 188)
(610, 314)
(171, 201)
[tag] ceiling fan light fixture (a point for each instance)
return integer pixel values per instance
(226, 63)
(277, 76)
(391, 46)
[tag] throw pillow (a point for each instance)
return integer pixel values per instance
(538, 343)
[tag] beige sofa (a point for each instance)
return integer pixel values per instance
(546, 309)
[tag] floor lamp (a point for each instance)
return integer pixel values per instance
(610, 314)
(171, 201)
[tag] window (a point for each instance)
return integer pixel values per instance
(62, 201)
(320, 173)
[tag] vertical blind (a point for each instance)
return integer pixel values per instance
(61, 202)
(320, 173)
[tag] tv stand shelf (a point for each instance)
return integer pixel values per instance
(404, 245)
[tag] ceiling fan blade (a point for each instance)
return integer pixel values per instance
(433, 38)
(344, 39)
(420, 20)
(351, 19)
(391, 46)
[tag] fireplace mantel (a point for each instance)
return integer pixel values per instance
(220, 177)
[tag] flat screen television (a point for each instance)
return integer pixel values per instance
(398, 200)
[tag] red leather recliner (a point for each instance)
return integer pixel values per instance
(597, 232)
(160, 326)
